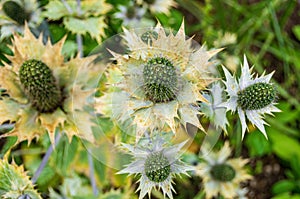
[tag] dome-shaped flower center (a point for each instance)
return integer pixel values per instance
(222, 172)
(256, 96)
(160, 80)
(157, 167)
(39, 85)
(14, 11)
(148, 36)
(131, 12)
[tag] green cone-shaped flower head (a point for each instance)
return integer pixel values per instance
(256, 96)
(160, 80)
(40, 86)
(14, 11)
(157, 167)
(222, 172)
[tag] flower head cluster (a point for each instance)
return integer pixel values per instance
(221, 174)
(14, 14)
(251, 97)
(44, 92)
(157, 165)
(157, 83)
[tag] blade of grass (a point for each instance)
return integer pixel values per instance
(193, 7)
(279, 37)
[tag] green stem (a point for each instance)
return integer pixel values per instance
(238, 139)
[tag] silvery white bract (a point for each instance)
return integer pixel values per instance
(211, 109)
(157, 165)
(131, 15)
(242, 193)
(251, 97)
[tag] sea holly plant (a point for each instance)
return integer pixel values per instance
(157, 84)
(131, 14)
(153, 85)
(40, 88)
(251, 97)
(157, 164)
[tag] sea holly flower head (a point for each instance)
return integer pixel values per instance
(221, 174)
(45, 93)
(157, 164)
(39, 85)
(157, 83)
(251, 97)
(14, 14)
(131, 15)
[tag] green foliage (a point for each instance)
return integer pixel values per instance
(73, 188)
(64, 155)
(287, 196)
(296, 30)
(284, 146)
(283, 186)
(257, 144)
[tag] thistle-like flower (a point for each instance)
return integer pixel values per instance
(251, 97)
(157, 165)
(221, 174)
(157, 83)
(15, 182)
(131, 15)
(14, 13)
(216, 114)
(45, 93)
(158, 6)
